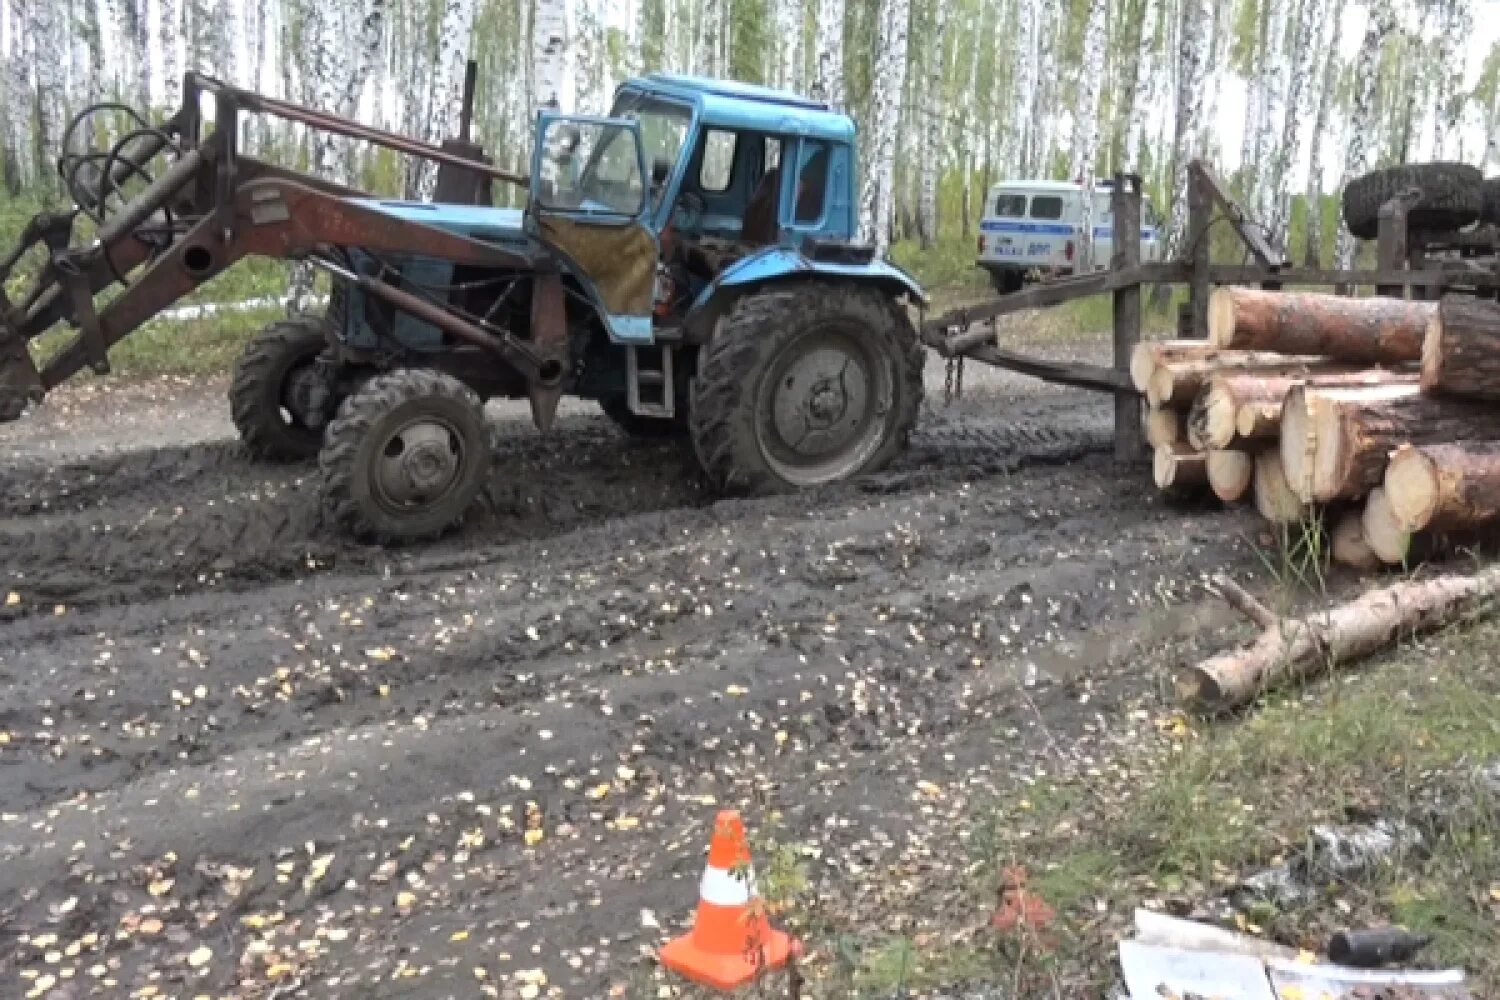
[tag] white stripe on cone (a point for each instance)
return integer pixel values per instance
(726, 888)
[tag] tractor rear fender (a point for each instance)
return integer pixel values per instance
(774, 265)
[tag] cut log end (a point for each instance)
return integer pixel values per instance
(1296, 444)
(1230, 474)
(1221, 317)
(1349, 545)
(1218, 420)
(1390, 543)
(1274, 499)
(1411, 488)
(1163, 427)
(1259, 421)
(1178, 467)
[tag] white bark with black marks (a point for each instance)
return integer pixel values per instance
(936, 109)
(1329, 36)
(1362, 113)
(828, 82)
(1191, 51)
(550, 57)
(1086, 129)
(877, 200)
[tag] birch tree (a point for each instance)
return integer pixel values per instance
(1303, 63)
(1456, 21)
(1191, 49)
(1329, 36)
(44, 23)
(1024, 95)
(1086, 129)
(551, 54)
(790, 22)
(1357, 144)
(877, 199)
(931, 158)
(591, 87)
(828, 79)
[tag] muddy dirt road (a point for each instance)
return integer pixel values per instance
(239, 756)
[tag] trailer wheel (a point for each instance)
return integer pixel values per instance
(1451, 197)
(804, 385)
(1489, 192)
(268, 378)
(405, 458)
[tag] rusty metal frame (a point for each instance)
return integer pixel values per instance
(234, 206)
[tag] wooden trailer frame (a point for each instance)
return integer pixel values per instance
(1403, 268)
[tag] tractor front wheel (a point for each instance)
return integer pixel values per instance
(405, 458)
(272, 380)
(804, 385)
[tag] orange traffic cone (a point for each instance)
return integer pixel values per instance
(731, 942)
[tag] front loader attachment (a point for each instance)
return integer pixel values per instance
(197, 206)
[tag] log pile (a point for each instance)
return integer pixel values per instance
(1376, 418)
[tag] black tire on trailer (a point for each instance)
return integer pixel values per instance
(805, 384)
(405, 458)
(1451, 197)
(617, 409)
(1489, 192)
(264, 379)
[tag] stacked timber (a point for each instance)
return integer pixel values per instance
(1378, 418)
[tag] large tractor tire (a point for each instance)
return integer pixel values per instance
(405, 458)
(1451, 197)
(268, 376)
(803, 385)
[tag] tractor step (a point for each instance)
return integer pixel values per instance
(649, 384)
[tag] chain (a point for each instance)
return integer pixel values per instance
(953, 378)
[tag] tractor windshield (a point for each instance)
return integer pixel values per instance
(591, 166)
(664, 128)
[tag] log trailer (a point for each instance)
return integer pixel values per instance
(687, 261)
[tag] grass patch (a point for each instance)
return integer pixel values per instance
(1197, 807)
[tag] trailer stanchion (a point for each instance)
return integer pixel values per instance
(1126, 209)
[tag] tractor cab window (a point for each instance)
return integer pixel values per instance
(812, 183)
(590, 167)
(664, 130)
(717, 170)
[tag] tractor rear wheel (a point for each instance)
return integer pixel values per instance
(270, 377)
(804, 385)
(406, 457)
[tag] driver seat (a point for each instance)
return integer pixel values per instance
(759, 225)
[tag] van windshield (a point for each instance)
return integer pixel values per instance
(1011, 205)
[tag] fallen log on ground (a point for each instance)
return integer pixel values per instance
(1335, 442)
(1290, 649)
(1348, 543)
(1258, 401)
(1274, 499)
(1360, 331)
(1230, 474)
(1178, 468)
(1163, 426)
(1445, 487)
(1178, 383)
(1461, 352)
(1146, 357)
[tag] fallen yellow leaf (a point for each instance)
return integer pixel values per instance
(12, 599)
(200, 956)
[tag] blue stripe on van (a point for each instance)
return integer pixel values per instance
(1055, 229)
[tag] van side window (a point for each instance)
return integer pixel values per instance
(1046, 206)
(1011, 206)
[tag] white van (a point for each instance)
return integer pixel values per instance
(1030, 231)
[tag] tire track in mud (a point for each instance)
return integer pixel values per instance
(136, 525)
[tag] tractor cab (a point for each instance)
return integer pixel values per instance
(713, 172)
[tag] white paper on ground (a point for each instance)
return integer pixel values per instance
(1216, 975)
(1295, 981)
(1159, 928)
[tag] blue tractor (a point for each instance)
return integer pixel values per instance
(687, 261)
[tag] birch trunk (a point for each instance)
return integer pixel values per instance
(791, 19)
(1329, 38)
(18, 91)
(169, 35)
(44, 23)
(1456, 23)
(1042, 97)
(1361, 113)
(1190, 71)
(931, 158)
(1302, 62)
(1028, 29)
(1274, 60)
(368, 33)
(877, 199)
(591, 85)
(828, 83)
(1086, 129)
(550, 57)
